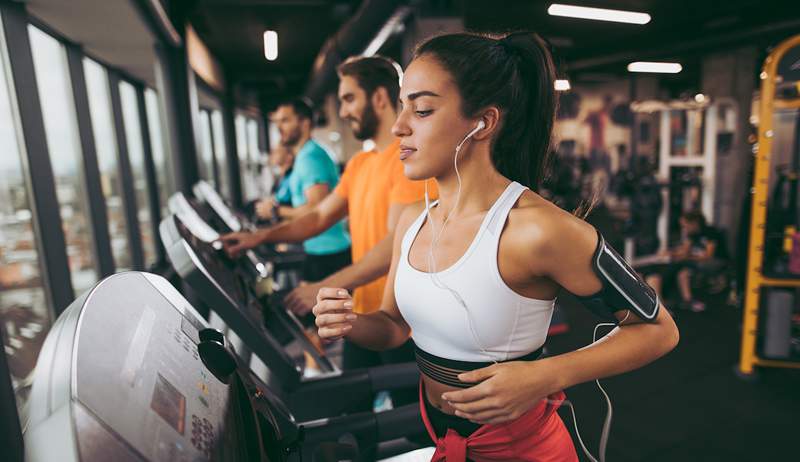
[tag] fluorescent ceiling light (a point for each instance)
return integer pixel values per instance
(661, 68)
(271, 45)
(562, 85)
(599, 14)
(394, 25)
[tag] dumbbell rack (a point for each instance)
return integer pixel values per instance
(756, 279)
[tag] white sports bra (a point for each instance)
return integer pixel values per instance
(507, 325)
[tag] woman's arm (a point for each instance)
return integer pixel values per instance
(561, 248)
(370, 267)
(380, 330)
(629, 347)
(567, 260)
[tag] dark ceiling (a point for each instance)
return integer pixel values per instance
(680, 29)
(677, 28)
(233, 30)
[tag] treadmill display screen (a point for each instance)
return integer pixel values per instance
(218, 205)
(169, 403)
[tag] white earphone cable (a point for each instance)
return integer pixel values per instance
(436, 237)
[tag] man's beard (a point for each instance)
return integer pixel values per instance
(368, 124)
(292, 138)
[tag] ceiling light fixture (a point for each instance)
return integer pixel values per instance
(659, 68)
(598, 14)
(271, 45)
(393, 26)
(562, 85)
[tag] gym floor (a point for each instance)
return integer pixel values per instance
(689, 405)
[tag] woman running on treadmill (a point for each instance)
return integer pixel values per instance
(474, 275)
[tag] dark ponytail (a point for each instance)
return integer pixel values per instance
(516, 74)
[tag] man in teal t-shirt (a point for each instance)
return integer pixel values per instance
(313, 176)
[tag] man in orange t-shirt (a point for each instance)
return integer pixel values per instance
(373, 191)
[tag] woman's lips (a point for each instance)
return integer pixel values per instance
(405, 152)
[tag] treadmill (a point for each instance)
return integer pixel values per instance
(131, 372)
(285, 325)
(207, 194)
(223, 218)
(193, 217)
(265, 326)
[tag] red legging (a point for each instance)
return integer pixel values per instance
(539, 435)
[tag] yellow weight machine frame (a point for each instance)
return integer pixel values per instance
(756, 280)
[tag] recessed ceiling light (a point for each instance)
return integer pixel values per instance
(660, 68)
(598, 14)
(271, 45)
(562, 85)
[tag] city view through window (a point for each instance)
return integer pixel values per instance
(24, 313)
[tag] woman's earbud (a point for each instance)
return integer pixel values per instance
(481, 125)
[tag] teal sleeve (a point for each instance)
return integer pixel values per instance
(315, 169)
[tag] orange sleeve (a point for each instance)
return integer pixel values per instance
(350, 170)
(405, 191)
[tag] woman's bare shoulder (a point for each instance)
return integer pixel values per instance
(542, 218)
(539, 226)
(409, 214)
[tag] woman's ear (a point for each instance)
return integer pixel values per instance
(491, 122)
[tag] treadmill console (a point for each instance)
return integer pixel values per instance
(214, 259)
(119, 378)
(207, 193)
(199, 227)
(180, 206)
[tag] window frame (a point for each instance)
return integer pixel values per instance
(128, 191)
(47, 224)
(49, 234)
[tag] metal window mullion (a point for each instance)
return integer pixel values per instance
(164, 113)
(126, 174)
(214, 166)
(180, 130)
(231, 152)
(263, 131)
(41, 180)
(98, 215)
(11, 437)
(150, 173)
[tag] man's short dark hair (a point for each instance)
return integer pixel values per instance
(371, 73)
(300, 106)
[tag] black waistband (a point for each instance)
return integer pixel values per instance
(441, 422)
(446, 371)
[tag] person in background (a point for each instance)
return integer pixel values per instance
(278, 167)
(312, 177)
(700, 250)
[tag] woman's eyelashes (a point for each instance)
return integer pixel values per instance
(418, 112)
